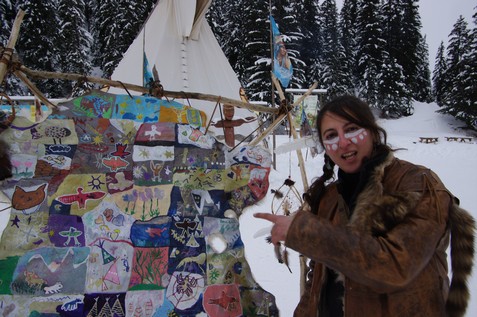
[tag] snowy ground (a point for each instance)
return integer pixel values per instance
(453, 162)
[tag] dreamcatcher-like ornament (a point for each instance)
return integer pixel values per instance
(286, 200)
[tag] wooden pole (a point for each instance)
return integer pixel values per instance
(34, 89)
(141, 89)
(281, 117)
(8, 52)
(301, 162)
(272, 97)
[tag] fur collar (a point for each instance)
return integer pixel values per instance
(378, 212)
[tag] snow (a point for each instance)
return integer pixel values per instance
(454, 162)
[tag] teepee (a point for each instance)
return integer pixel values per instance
(177, 40)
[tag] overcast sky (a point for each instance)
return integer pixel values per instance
(438, 18)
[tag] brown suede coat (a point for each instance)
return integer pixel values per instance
(391, 253)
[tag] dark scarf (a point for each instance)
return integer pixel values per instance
(350, 185)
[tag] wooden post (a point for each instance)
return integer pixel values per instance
(301, 162)
(8, 52)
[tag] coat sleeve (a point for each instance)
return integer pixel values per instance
(384, 263)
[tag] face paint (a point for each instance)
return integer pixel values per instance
(332, 144)
(354, 136)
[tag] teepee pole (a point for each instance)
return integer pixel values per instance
(301, 162)
(6, 57)
(141, 89)
(272, 96)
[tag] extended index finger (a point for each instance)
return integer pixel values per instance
(269, 217)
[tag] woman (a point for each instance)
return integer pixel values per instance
(377, 236)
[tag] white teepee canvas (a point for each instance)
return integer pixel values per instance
(179, 42)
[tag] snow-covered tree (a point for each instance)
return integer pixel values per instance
(74, 43)
(439, 80)
(228, 22)
(471, 70)
(6, 18)
(371, 46)
(310, 45)
(349, 40)
(462, 99)
(117, 24)
(256, 56)
(394, 98)
(455, 101)
(422, 83)
(408, 48)
(36, 45)
(332, 75)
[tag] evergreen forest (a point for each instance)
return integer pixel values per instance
(370, 48)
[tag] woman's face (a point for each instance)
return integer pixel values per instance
(346, 143)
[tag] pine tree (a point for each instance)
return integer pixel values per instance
(349, 40)
(471, 92)
(422, 82)
(74, 44)
(117, 25)
(439, 80)
(371, 46)
(332, 74)
(454, 102)
(6, 17)
(410, 38)
(394, 98)
(309, 44)
(255, 57)
(36, 46)
(227, 21)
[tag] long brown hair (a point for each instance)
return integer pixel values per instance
(353, 110)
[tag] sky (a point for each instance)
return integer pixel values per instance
(438, 18)
(454, 163)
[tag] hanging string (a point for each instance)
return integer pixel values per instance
(249, 135)
(124, 87)
(186, 98)
(213, 113)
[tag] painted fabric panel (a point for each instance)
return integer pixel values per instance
(119, 208)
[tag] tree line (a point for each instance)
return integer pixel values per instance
(370, 48)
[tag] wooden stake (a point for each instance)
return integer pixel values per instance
(8, 52)
(301, 162)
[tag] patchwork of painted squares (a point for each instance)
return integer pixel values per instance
(118, 203)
